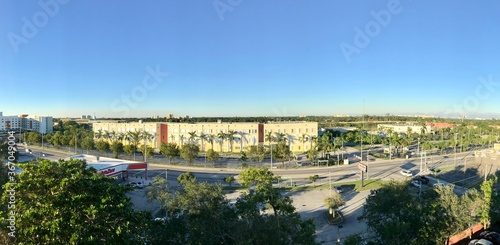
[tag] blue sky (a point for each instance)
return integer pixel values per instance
(249, 58)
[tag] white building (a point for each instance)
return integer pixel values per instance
(40, 124)
(403, 128)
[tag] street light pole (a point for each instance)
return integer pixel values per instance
(271, 155)
(456, 139)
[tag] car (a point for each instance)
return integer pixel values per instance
(339, 189)
(135, 185)
(416, 183)
(406, 173)
(491, 236)
(131, 184)
(439, 185)
(480, 242)
(424, 180)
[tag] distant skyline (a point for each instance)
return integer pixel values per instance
(252, 58)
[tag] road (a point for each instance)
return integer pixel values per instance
(380, 169)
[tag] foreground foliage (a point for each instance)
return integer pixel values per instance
(399, 215)
(65, 202)
(200, 214)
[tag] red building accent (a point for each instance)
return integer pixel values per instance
(163, 133)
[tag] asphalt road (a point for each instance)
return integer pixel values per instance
(382, 169)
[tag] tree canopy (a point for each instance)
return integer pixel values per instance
(65, 202)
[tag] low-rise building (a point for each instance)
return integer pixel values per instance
(403, 128)
(220, 136)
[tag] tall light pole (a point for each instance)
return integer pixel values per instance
(456, 139)
(271, 154)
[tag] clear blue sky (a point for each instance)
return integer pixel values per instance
(274, 58)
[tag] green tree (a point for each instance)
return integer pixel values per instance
(6, 151)
(334, 202)
(221, 136)
(102, 146)
(134, 137)
(257, 152)
(186, 178)
(169, 150)
(34, 137)
(243, 159)
(65, 202)
(159, 191)
(189, 152)
(212, 156)
(281, 152)
(87, 144)
(117, 148)
(147, 151)
(313, 178)
(395, 224)
(230, 136)
(354, 239)
(229, 180)
(129, 149)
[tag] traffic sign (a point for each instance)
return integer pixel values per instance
(363, 167)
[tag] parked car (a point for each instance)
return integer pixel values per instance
(424, 180)
(480, 242)
(416, 183)
(339, 189)
(406, 173)
(135, 185)
(492, 236)
(438, 185)
(132, 184)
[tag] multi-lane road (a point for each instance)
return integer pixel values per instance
(380, 169)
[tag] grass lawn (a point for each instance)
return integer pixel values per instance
(444, 169)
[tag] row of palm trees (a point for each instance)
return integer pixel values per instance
(132, 137)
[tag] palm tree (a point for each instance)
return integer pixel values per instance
(230, 136)
(192, 136)
(181, 139)
(210, 138)
(134, 137)
(242, 137)
(221, 136)
(99, 134)
(147, 137)
(314, 139)
(303, 139)
(269, 137)
(106, 135)
(203, 137)
(280, 137)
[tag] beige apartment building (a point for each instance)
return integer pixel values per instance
(220, 136)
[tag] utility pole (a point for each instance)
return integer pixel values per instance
(456, 139)
(330, 177)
